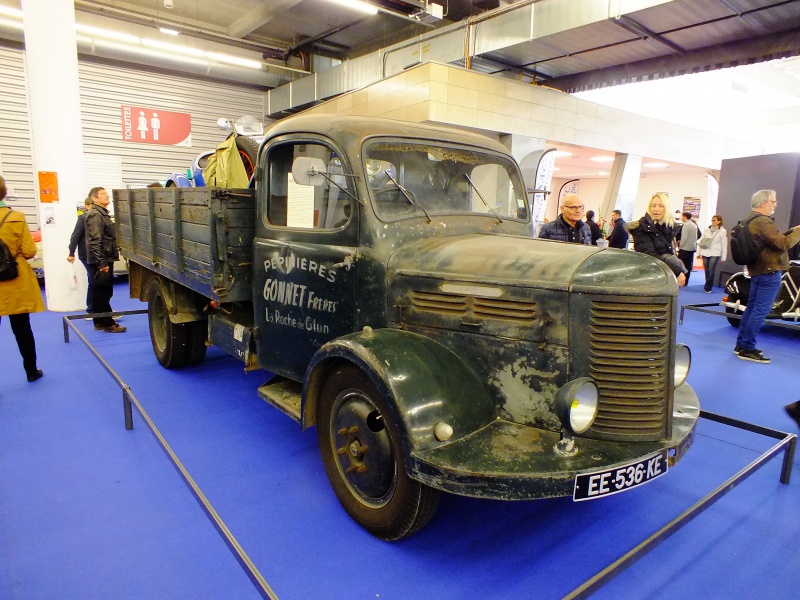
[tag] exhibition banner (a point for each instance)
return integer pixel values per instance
(154, 126)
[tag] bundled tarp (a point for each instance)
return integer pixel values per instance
(225, 167)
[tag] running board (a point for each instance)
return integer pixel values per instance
(283, 394)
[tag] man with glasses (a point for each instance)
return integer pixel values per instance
(765, 272)
(568, 227)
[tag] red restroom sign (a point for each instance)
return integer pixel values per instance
(154, 126)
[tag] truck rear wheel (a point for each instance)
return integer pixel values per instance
(361, 451)
(196, 342)
(169, 339)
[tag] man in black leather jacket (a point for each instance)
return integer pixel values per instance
(101, 252)
(77, 241)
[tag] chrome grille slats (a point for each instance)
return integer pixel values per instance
(629, 356)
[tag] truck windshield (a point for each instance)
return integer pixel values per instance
(442, 179)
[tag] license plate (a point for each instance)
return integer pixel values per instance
(589, 486)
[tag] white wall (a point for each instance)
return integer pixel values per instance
(677, 185)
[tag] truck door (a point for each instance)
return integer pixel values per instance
(304, 254)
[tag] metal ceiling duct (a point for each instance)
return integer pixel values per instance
(489, 32)
(511, 25)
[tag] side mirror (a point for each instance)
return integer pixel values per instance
(306, 170)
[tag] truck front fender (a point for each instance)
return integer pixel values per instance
(424, 383)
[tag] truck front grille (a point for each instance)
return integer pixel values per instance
(629, 355)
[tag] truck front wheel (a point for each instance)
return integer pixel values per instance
(169, 339)
(360, 447)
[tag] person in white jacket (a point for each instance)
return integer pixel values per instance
(712, 247)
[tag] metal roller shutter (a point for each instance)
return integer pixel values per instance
(105, 88)
(16, 161)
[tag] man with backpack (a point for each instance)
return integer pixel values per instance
(765, 271)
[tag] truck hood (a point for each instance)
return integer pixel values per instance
(526, 262)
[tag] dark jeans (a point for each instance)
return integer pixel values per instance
(101, 297)
(90, 288)
(21, 326)
(687, 258)
(710, 265)
(763, 291)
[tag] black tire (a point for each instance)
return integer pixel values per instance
(248, 150)
(360, 447)
(732, 311)
(196, 342)
(169, 339)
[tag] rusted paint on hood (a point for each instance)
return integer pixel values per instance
(520, 261)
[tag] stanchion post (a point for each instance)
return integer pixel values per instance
(126, 405)
(788, 459)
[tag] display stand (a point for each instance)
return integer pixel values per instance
(787, 443)
(705, 308)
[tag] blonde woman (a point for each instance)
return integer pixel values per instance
(712, 247)
(654, 234)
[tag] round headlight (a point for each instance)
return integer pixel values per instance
(683, 362)
(576, 404)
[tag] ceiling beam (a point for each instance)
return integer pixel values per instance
(261, 14)
(732, 54)
(632, 26)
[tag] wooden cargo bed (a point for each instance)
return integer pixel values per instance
(200, 237)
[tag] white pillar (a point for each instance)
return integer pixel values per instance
(623, 183)
(52, 60)
(528, 152)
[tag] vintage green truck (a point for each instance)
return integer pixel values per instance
(385, 275)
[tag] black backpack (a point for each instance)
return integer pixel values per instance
(744, 249)
(8, 263)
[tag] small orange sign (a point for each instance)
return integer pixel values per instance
(48, 186)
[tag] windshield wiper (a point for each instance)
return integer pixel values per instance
(409, 196)
(474, 187)
(331, 181)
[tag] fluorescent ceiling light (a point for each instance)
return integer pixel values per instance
(169, 31)
(560, 153)
(143, 51)
(234, 60)
(11, 24)
(602, 159)
(357, 5)
(656, 165)
(11, 12)
(111, 35)
(173, 47)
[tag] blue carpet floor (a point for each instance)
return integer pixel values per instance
(89, 510)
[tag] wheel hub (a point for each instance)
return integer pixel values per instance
(362, 443)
